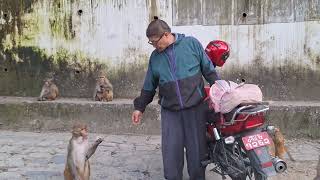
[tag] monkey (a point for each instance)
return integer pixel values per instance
(103, 90)
(79, 152)
(104, 95)
(49, 91)
(318, 170)
(278, 148)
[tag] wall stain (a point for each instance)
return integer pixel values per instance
(74, 77)
(119, 4)
(61, 21)
(13, 11)
(153, 9)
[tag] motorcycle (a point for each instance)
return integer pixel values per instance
(239, 141)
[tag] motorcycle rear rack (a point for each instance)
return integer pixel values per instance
(233, 120)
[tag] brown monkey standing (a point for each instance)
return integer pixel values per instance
(103, 90)
(77, 165)
(49, 91)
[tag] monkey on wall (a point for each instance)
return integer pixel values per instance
(49, 91)
(79, 151)
(103, 90)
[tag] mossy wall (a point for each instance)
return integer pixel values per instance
(74, 40)
(74, 79)
(41, 39)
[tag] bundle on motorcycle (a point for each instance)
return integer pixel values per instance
(238, 137)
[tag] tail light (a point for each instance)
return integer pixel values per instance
(254, 121)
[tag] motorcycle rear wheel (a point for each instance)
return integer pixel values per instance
(254, 175)
(239, 164)
(258, 176)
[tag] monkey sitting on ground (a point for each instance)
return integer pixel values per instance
(103, 90)
(77, 165)
(49, 91)
(278, 148)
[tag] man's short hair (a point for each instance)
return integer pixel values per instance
(157, 27)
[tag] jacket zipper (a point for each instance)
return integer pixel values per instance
(173, 70)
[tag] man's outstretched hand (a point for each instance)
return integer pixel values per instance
(136, 117)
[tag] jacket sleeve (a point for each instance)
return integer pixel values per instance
(207, 67)
(148, 91)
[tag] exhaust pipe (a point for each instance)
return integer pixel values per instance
(279, 165)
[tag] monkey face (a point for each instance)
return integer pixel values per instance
(48, 82)
(80, 130)
(101, 79)
(84, 133)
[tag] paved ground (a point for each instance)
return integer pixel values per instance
(25, 155)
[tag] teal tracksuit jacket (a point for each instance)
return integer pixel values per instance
(177, 71)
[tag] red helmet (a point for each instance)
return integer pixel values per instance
(218, 52)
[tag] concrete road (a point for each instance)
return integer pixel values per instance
(41, 156)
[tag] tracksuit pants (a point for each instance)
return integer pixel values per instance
(184, 129)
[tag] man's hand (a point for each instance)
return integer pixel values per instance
(136, 117)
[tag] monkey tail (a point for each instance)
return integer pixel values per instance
(289, 154)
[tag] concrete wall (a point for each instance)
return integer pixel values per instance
(276, 44)
(295, 119)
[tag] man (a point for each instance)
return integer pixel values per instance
(177, 65)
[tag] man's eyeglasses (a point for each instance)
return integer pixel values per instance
(155, 42)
